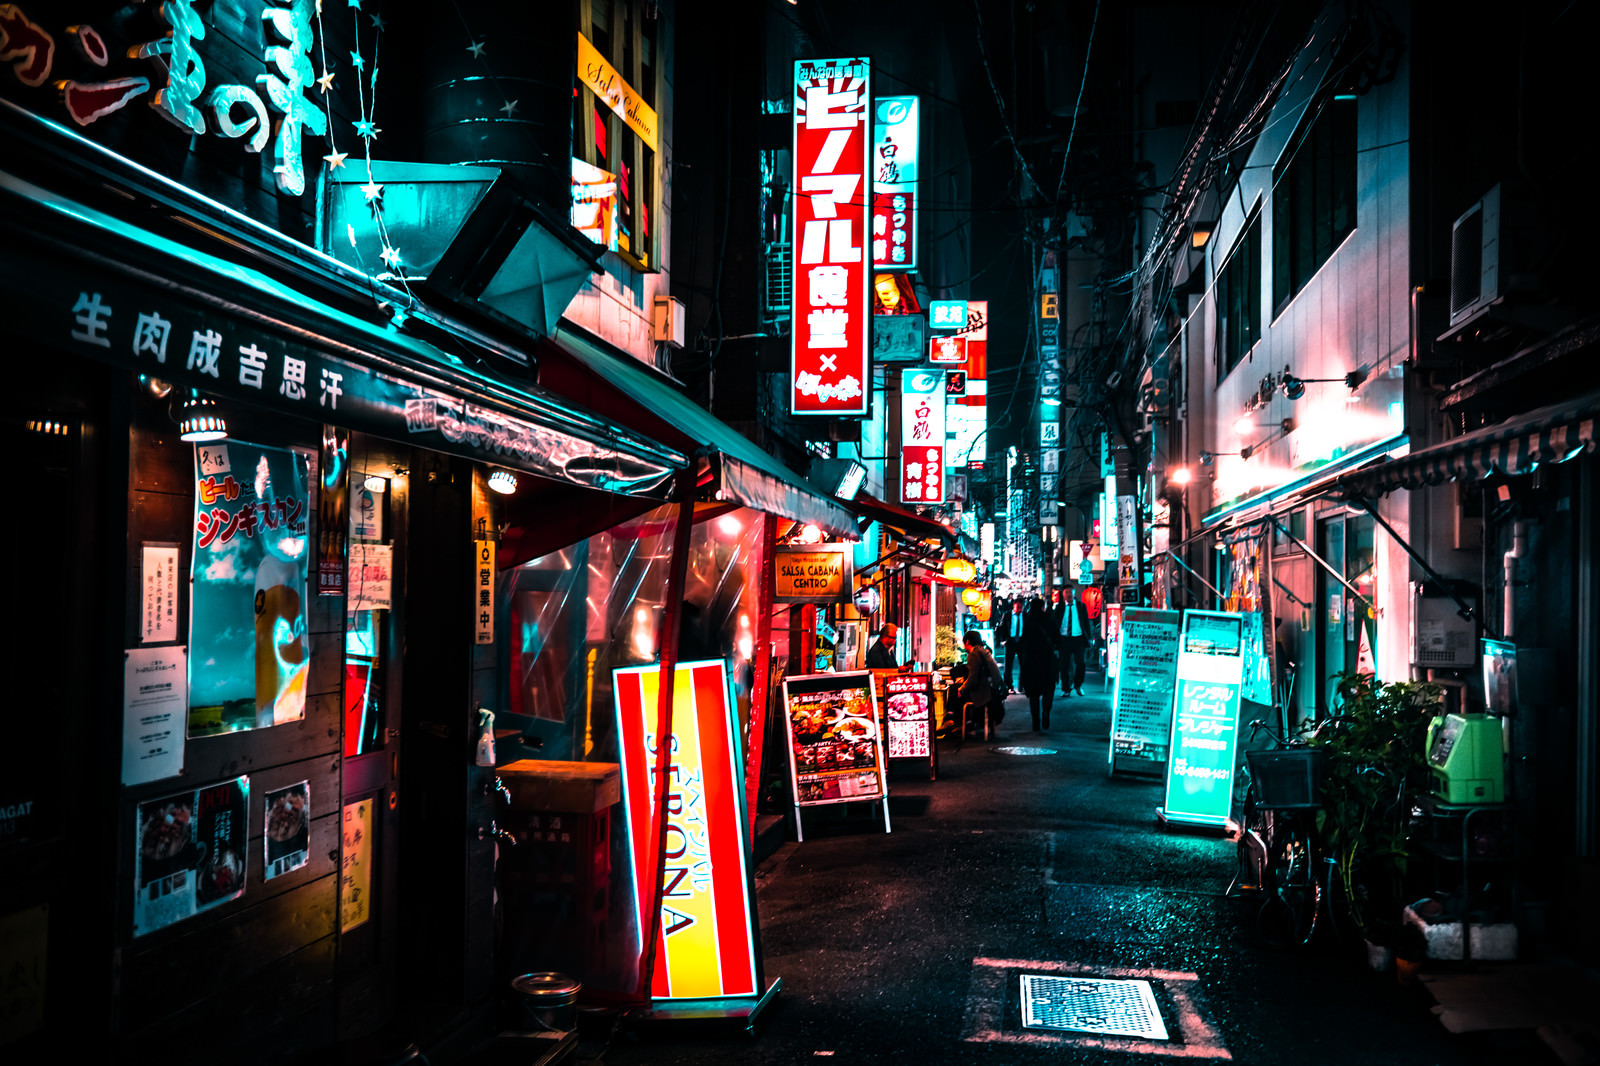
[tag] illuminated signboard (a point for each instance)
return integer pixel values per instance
(813, 573)
(908, 710)
(1141, 702)
(894, 183)
(706, 947)
(921, 436)
(835, 749)
(947, 351)
(1205, 718)
(947, 314)
(828, 357)
(619, 96)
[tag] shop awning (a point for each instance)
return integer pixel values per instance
(79, 279)
(579, 364)
(906, 522)
(1517, 445)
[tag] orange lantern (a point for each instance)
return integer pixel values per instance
(959, 570)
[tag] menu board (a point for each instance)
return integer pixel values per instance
(1205, 718)
(835, 749)
(908, 713)
(1141, 702)
(189, 853)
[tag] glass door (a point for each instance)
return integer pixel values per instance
(1346, 629)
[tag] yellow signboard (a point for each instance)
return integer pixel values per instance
(355, 878)
(811, 575)
(620, 97)
(1047, 305)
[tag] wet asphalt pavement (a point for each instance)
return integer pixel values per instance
(908, 947)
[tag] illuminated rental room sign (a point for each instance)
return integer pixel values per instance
(922, 436)
(706, 947)
(894, 183)
(832, 223)
(1205, 718)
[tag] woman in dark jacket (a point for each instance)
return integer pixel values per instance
(1038, 651)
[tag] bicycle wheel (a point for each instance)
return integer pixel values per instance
(1293, 895)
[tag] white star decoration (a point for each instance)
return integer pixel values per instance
(335, 160)
(476, 48)
(391, 256)
(374, 192)
(326, 82)
(510, 108)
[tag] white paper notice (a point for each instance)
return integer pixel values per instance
(159, 596)
(155, 706)
(371, 576)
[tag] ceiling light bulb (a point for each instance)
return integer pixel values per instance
(201, 421)
(503, 482)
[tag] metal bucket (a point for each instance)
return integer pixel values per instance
(547, 1001)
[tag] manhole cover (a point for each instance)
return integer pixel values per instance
(1025, 751)
(1091, 1005)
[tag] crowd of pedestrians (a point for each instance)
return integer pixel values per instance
(1045, 645)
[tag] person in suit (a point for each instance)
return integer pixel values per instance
(1037, 647)
(880, 656)
(1073, 635)
(1009, 633)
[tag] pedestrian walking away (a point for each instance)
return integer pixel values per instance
(1037, 647)
(1073, 633)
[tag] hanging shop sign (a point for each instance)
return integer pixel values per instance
(483, 591)
(899, 338)
(835, 749)
(947, 314)
(811, 573)
(167, 71)
(248, 654)
(828, 361)
(707, 948)
(600, 78)
(1205, 718)
(1127, 544)
(189, 853)
(922, 404)
(895, 147)
(947, 351)
(1144, 661)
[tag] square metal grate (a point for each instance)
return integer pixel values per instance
(1091, 1005)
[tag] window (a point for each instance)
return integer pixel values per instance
(1313, 198)
(614, 195)
(1239, 299)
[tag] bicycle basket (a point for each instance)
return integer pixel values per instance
(1288, 777)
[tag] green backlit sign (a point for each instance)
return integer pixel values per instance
(1205, 718)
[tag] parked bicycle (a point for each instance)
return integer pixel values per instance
(1280, 859)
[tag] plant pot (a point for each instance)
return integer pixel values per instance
(1380, 957)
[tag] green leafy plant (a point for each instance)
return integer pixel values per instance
(945, 649)
(1374, 774)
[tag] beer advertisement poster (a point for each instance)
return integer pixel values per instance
(189, 853)
(836, 752)
(287, 833)
(248, 657)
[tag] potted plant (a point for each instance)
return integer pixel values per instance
(1374, 773)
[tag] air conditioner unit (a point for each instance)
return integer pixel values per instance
(666, 320)
(1475, 259)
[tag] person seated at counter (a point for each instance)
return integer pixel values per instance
(880, 656)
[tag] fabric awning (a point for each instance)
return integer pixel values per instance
(1517, 445)
(740, 471)
(907, 522)
(82, 280)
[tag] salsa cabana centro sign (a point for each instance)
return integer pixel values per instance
(812, 573)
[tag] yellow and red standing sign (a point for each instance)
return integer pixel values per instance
(706, 947)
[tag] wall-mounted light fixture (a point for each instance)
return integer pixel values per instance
(503, 481)
(1295, 387)
(201, 419)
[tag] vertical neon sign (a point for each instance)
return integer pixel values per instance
(832, 237)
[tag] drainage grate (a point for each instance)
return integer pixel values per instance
(1025, 751)
(1091, 1005)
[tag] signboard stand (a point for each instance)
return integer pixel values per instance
(836, 752)
(1205, 719)
(908, 717)
(1141, 700)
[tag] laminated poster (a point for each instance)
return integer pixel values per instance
(835, 749)
(1147, 662)
(287, 833)
(189, 853)
(155, 697)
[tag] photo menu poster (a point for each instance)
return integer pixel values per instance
(189, 853)
(835, 749)
(287, 833)
(908, 709)
(1141, 717)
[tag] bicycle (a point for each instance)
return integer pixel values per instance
(1279, 852)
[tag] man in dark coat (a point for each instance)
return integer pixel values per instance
(881, 655)
(1073, 621)
(1009, 634)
